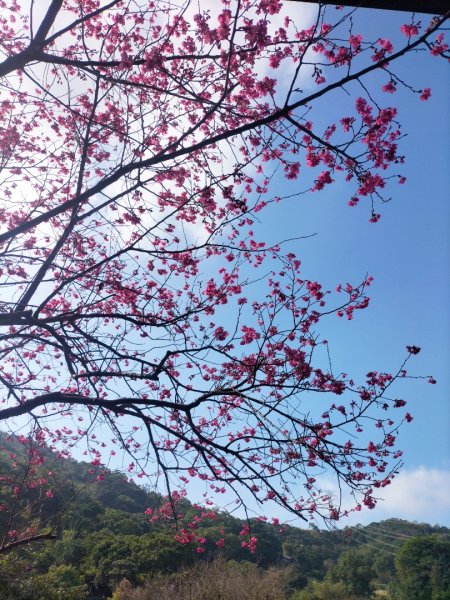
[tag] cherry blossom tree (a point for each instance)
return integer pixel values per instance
(140, 312)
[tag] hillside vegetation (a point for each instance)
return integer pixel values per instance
(107, 547)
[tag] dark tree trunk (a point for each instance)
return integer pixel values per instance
(432, 7)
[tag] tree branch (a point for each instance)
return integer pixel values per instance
(46, 24)
(166, 155)
(431, 7)
(21, 542)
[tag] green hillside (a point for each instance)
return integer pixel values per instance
(106, 545)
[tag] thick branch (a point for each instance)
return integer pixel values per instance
(16, 318)
(19, 61)
(21, 542)
(46, 24)
(432, 7)
(117, 405)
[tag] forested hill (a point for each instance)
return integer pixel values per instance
(103, 536)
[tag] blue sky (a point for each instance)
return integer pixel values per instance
(408, 254)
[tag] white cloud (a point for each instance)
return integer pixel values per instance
(420, 491)
(421, 494)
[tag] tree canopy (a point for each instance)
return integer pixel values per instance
(140, 313)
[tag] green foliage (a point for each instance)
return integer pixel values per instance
(313, 549)
(106, 543)
(61, 582)
(322, 590)
(116, 492)
(423, 569)
(354, 570)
